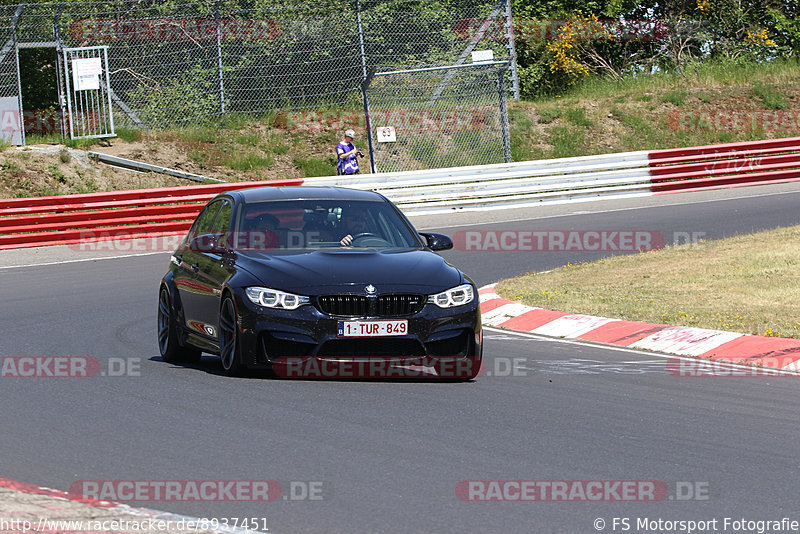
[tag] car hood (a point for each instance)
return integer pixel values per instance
(345, 271)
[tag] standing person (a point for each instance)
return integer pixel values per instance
(347, 155)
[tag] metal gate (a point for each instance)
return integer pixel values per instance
(89, 111)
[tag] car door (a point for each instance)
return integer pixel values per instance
(188, 260)
(214, 269)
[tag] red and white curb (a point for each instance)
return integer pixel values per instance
(57, 500)
(773, 352)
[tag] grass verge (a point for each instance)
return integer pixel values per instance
(748, 284)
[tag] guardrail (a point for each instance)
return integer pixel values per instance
(69, 219)
(602, 176)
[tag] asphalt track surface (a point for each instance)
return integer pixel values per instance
(388, 456)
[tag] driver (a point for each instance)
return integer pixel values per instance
(354, 222)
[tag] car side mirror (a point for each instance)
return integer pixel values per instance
(437, 241)
(209, 243)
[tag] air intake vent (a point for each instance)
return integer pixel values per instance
(359, 306)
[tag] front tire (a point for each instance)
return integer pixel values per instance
(229, 346)
(168, 345)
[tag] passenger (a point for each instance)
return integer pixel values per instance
(260, 232)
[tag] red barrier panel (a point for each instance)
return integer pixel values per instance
(754, 171)
(137, 194)
(178, 211)
(725, 165)
(69, 219)
(94, 225)
(657, 163)
(173, 201)
(36, 239)
(773, 145)
(731, 165)
(726, 181)
(97, 238)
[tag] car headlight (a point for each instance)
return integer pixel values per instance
(457, 296)
(272, 298)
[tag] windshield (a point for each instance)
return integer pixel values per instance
(314, 224)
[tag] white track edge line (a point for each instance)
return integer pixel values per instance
(640, 352)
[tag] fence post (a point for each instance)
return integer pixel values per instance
(364, 96)
(512, 50)
(501, 89)
(59, 82)
(219, 60)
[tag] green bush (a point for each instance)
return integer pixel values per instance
(771, 98)
(677, 98)
(577, 116)
(315, 167)
(130, 135)
(248, 162)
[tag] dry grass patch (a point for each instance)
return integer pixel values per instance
(748, 283)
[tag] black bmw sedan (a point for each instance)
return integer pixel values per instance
(315, 282)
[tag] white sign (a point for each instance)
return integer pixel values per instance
(482, 56)
(386, 134)
(86, 73)
(10, 131)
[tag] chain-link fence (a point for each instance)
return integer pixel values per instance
(439, 117)
(188, 62)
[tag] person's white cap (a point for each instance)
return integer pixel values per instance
(350, 133)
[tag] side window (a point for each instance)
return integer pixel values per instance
(387, 231)
(222, 224)
(205, 220)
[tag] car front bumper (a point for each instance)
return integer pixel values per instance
(306, 341)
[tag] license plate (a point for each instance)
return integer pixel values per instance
(372, 328)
